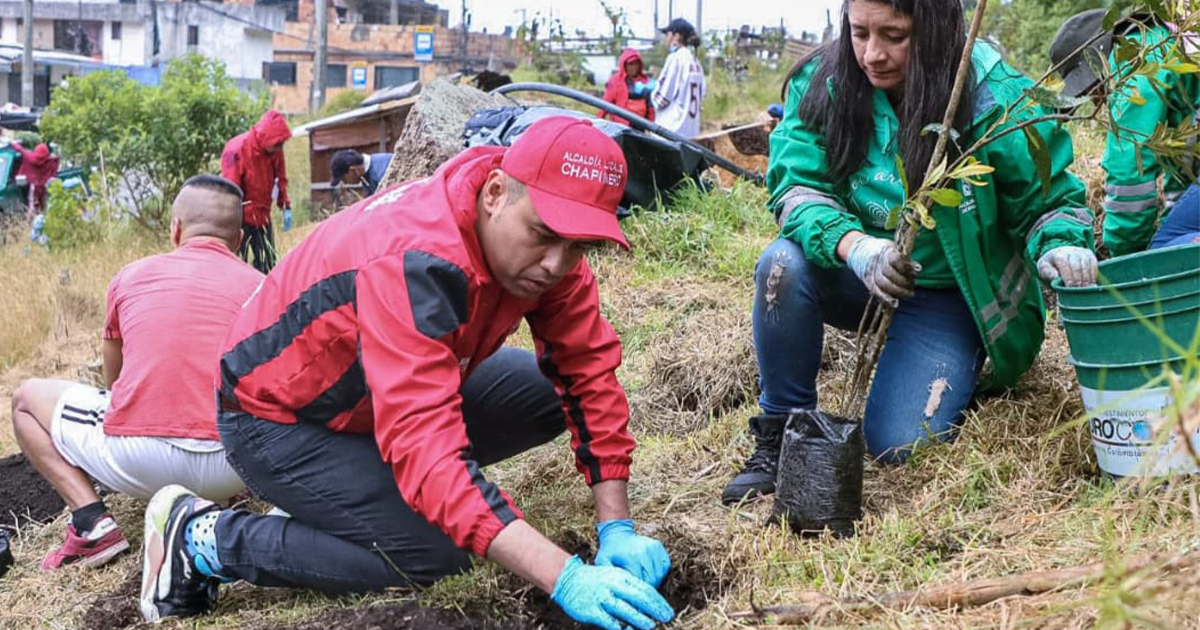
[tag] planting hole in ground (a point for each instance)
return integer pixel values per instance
(690, 585)
(24, 495)
(117, 608)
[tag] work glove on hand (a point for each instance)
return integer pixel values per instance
(642, 556)
(886, 274)
(1076, 266)
(643, 89)
(287, 219)
(608, 597)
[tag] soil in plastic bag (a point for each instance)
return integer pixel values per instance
(820, 474)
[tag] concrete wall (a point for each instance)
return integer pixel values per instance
(130, 50)
(43, 32)
(232, 40)
(256, 49)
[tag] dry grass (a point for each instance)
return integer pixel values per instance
(1015, 492)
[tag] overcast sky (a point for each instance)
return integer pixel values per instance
(797, 15)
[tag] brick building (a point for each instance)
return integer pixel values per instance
(363, 44)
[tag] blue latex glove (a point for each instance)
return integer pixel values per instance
(775, 110)
(287, 219)
(642, 556)
(641, 90)
(608, 597)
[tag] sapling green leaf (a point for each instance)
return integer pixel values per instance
(1040, 154)
(947, 197)
(893, 218)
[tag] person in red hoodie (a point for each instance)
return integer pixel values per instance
(629, 88)
(254, 161)
(364, 387)
(39, 166)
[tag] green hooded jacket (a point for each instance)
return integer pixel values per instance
(989, 243)
(1131, 206)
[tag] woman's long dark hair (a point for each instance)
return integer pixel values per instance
(936, 45)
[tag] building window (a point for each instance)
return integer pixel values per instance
(193, 36)
(279, 72)
(116, 30)
(335, 75)
(391, 76)
(291, 8)
(82, 37)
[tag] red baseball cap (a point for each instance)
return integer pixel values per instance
(575, 175)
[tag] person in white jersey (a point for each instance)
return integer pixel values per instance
(681, 89)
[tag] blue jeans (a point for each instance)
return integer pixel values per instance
(350, 530)
(932, 341)
(1182, 223)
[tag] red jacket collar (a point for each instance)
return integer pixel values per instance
(461, 178)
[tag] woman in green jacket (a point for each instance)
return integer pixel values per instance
(854, 107)
(1142, 106)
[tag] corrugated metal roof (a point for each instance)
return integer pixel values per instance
(354, 114)
(11, 54)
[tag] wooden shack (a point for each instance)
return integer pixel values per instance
(369, 129)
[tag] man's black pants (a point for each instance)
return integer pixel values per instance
(259, 240)
(350, 530)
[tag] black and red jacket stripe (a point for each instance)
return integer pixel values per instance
(372, 322)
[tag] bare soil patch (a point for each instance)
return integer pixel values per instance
(406, 616)
(24, 495)
(117, 608)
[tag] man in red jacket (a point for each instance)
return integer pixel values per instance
(254, 161)
(39, 166)
(364, 386)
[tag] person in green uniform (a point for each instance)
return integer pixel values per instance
(852, 108)
(1083, 52)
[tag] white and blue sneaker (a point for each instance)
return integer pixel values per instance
(172, 586)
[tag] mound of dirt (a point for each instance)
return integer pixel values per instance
(117, 608)
(754, 140)
(406, 616)
(433, 130)
(24, 495)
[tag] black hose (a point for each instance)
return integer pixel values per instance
(635, 121)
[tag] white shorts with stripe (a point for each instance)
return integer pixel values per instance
(137, 466)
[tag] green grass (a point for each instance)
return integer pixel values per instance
(711, 235)
(742, 96)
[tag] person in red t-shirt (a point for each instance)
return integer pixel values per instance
(365, 385)
(254, 161)
(167, 317)
(629, 88)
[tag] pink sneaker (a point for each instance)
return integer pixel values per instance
(99, 546)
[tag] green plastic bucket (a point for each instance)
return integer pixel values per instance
(1116, 333)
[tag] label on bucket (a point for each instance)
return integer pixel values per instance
(1123, 424)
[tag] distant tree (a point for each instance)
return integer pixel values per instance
(619, 20)
(1025, 28)
(148, 140)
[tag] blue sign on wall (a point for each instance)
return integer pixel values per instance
(358, 76)
(423, 44)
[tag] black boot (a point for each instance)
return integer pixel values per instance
(758, 476)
